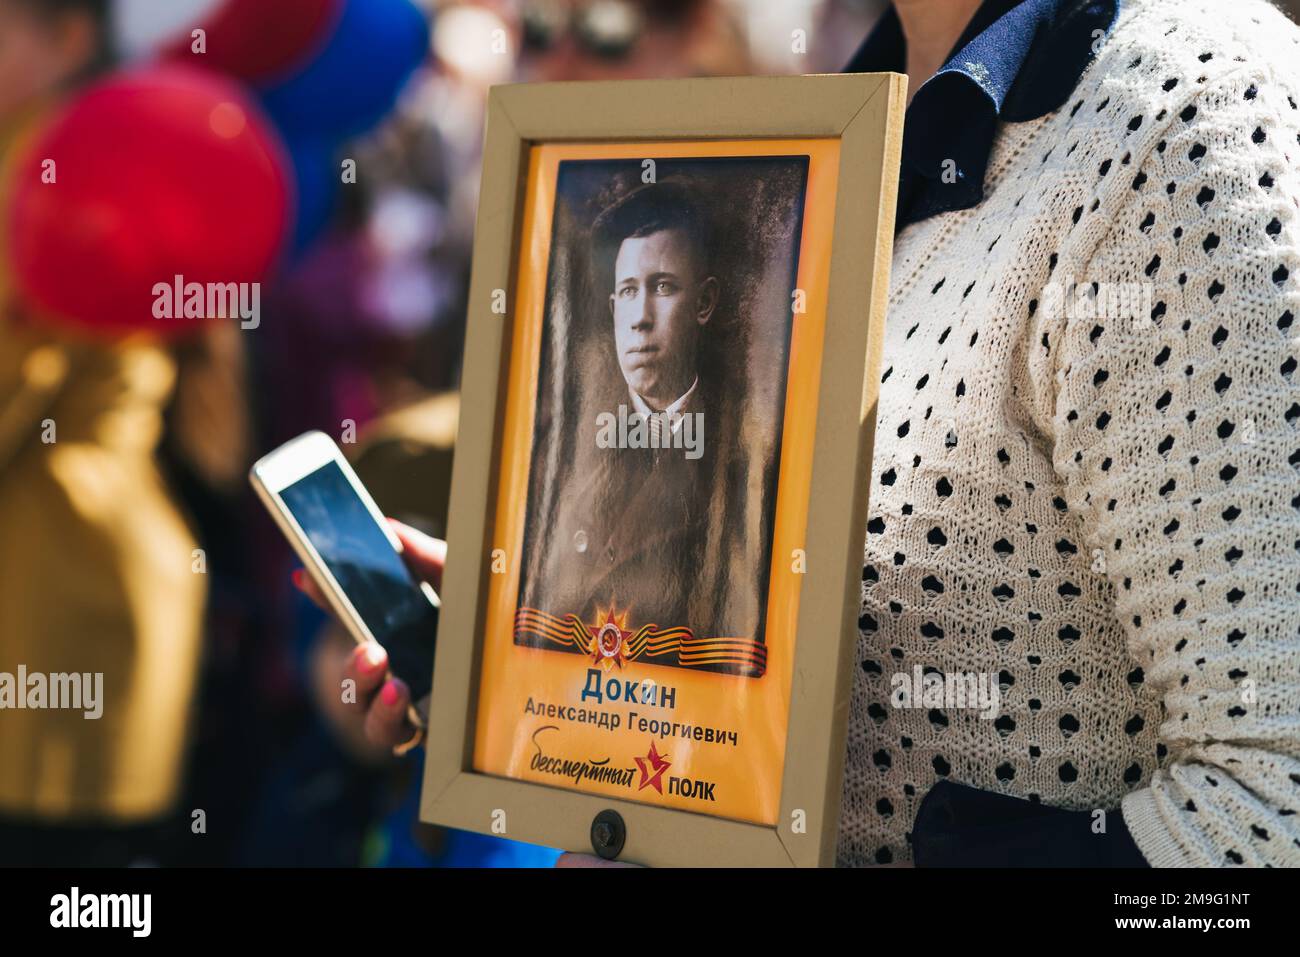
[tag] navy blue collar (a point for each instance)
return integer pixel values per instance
(1017, 60)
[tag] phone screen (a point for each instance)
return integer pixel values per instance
(370, 572)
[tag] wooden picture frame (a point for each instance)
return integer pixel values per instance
(854, 123)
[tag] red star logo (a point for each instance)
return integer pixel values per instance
(653, 762)
(609, 637)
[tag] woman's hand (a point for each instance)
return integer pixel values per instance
(381, 701)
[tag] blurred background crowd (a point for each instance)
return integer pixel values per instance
(328, 149)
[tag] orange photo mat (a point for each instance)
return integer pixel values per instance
(737, 778)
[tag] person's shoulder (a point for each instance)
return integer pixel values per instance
(1223, 72)
(1157, 47)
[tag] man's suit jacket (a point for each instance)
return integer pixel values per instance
(674, 542)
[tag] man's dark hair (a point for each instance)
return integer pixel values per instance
(650, 209)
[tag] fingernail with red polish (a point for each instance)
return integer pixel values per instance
(389, 694)
(297, 578)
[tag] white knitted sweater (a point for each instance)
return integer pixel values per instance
(1103, 512)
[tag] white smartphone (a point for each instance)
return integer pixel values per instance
(351, 552)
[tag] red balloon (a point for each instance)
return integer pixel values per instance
(261, 40)
(157, 173)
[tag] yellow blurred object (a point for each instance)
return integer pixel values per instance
(98, 572)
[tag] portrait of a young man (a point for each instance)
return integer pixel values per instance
(659, 407)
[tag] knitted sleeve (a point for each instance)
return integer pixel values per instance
(1176, 428)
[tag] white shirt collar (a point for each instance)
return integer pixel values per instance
(675, 419)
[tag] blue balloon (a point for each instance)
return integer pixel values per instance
(355, 80)
(318, 179)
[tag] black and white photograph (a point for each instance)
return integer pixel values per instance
(661, 392)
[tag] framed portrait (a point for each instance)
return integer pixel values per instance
(660, 482)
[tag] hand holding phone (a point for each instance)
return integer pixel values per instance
(352, 554)
(378, 709)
